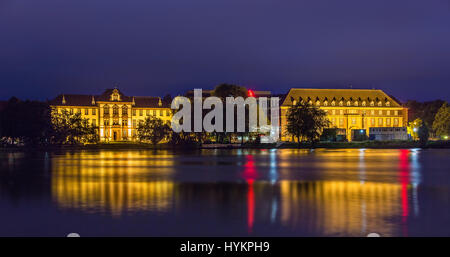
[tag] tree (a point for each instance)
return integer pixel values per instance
(72, 128)
(413, 128)
(153, 129)
(423, 134)
(305, 121)
(26, 122)
(229, 90)
(441, 124)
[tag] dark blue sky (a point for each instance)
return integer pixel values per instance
(153, 47)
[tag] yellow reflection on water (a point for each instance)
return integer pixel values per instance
(340, 207)
(112, 182)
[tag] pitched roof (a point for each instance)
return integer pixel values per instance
(86, 100)
(339, 94)
(73, 100)
(149, 102)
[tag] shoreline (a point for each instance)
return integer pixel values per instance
(318, 145)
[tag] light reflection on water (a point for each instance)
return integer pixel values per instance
(349, 192)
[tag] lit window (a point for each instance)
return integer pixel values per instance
(341, 112)
(86, 111)
(94, 111)
(388, 104)
(94, 122)
(395, 113)
(353, 120)
(372, 103)
(134, 112)
(379, 103)
(161, 113)
(372, 112)
(388, 122)
(333, 112)
(148, 112)
(380, 122)
(333, 103)
(388, 112)
(380, 112)
(341, 103)
(325, 103)
(348, 103)
(141, 112)
(372, 122)
(395, 121)
(364, 103)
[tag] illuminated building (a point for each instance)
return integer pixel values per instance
(115, 114)
(348, 109)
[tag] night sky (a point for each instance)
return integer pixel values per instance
(154, 47)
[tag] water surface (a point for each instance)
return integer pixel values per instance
(285, 192)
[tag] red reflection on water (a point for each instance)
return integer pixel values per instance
(404, 172)
(249, 176)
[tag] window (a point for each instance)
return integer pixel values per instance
(115, 110)
(356, 103)
(353, 121)
(341, 122)
(388, 121)
(148, 112)
(106, 122)
(333, 112)
(124, 110)
(388, 112)
(372, 112)
(71, 111)
(380, 122)
(325, 103)
(348, 103)
(364, 103)
(395, 113)
(318, 103)
(333, 103)
(141, 112)
(134, 112)
(79, 111)
(125, 123)
(380, 112)
(372, 103)
(395, 121)
(106, 110)
(294, 102)
(94, 122)
(86, 111)
(388, 104)
(94, 111)
(341, 103)
(160, 113)
(167, 113)
(379, 103)
(134, 123)
(333, 121)
(372, 121)
(154, 112)
(341, 112)
(353, 111)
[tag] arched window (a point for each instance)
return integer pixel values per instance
(106, 109)
(115, 110)
(124, 110)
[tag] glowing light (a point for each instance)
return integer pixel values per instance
(250, 93)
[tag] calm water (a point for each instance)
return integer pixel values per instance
(344, 192)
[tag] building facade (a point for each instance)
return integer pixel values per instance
(349, 109)
(115, 114)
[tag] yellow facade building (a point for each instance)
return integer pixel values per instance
(348, 109)
(115, 114)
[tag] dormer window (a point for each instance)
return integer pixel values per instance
(294, 102)
(356, 103)
(341, 103)
(379, 103)
(325, 103)
(364, 103)
(318, 103)
(115, 96)
(333, 103)
(372, 103)
(348, 103)
(388, 103)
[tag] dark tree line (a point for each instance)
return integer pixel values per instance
(34, 123)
